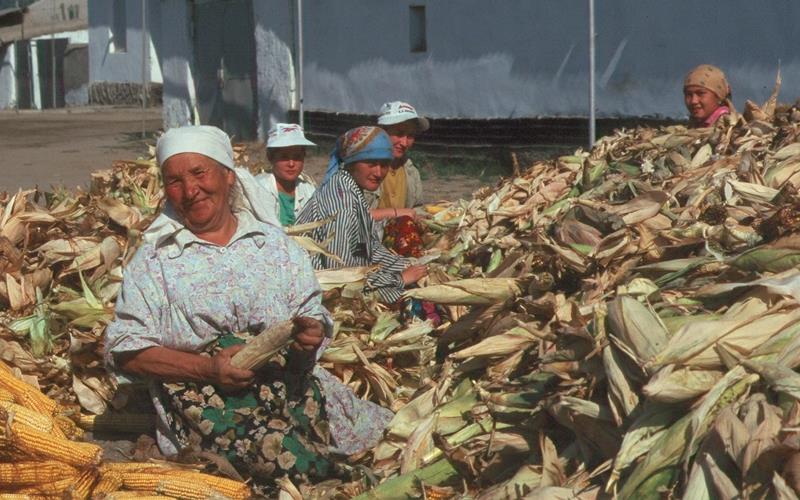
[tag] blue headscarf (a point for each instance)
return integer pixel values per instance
(359, 144)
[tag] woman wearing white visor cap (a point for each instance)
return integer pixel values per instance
(288, 187)
(401, 190)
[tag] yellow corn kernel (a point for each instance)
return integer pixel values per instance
(110, 481)
(133, 466)
(31, 473)
(6, 396)
(84, 484)
(46, 446)
(144, 481)
(58, 488)
(134, 495)
(35, 420)
(187, 489)
(68, 427)
(228, 487)
(24, 393)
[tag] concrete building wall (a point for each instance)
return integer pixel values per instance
(523, 58)
(484, 58)
(8, 80)
(76, 70)
(176, 54)
(275, 72)
(109, 63)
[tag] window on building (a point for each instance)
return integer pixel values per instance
(416, 28)
(119, 26)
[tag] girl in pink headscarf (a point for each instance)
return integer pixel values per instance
(707, 95)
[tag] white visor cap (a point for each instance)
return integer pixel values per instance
(399, 112)
(283, 135)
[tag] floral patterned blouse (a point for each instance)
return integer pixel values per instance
(183, 292)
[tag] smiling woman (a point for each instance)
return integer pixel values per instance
(213, 270)
(707, 95)
(199, 189)
(288, 188)
(358, 164)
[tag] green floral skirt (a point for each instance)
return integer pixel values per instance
(276, 428)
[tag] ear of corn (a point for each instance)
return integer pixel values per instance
(474, 291)
(30, 473)
(168, 481)
(32, 419)
(49, 447)
(68, 427)
(136, 495)
(187, 489)
(84, 483)
(637, 327)
(110, 481)
(674, 386)
(264, 346)
(6, 396)
(58, 489)
(516, 339)
(236, 490)
(25, 394)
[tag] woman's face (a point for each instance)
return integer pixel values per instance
(287, 163)
(369, 174)
(198, 188)
(402, 136)
(700, 102)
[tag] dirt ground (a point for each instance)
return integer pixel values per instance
(62, 147)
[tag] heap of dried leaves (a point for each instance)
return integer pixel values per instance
(622, 322)
(637, 330)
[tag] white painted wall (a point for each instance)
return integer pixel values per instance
(175, 48)
(275, 71)
(106, 64)
(485, 58)
(8, 79)
(525, 58)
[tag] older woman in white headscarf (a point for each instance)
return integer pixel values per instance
(214, 269)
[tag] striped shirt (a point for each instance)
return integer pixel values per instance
(354, 239)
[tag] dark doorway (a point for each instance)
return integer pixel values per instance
(225, 62)
(22, 56)
(50, 59)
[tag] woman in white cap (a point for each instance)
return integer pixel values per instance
(213, 270)
(401, 190)
(289, 189)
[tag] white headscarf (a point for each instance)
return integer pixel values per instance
(214, 143)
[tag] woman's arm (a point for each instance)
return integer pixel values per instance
(389, 213)
(170, 365)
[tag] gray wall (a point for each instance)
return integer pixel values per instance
(514, 58)
(105, 64)
(174, 47)
(275, 79)
(8, 90)
(485, 58)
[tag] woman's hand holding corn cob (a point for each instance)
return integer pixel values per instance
(308, 334)
(226, 376)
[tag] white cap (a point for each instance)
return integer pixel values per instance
(399, 112)
(203, 139)
(287, 134)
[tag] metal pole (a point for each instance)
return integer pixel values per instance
(53, 52)
(592, 133)
(300, 61)
(145, 53)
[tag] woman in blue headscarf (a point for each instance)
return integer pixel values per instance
(359, 162)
